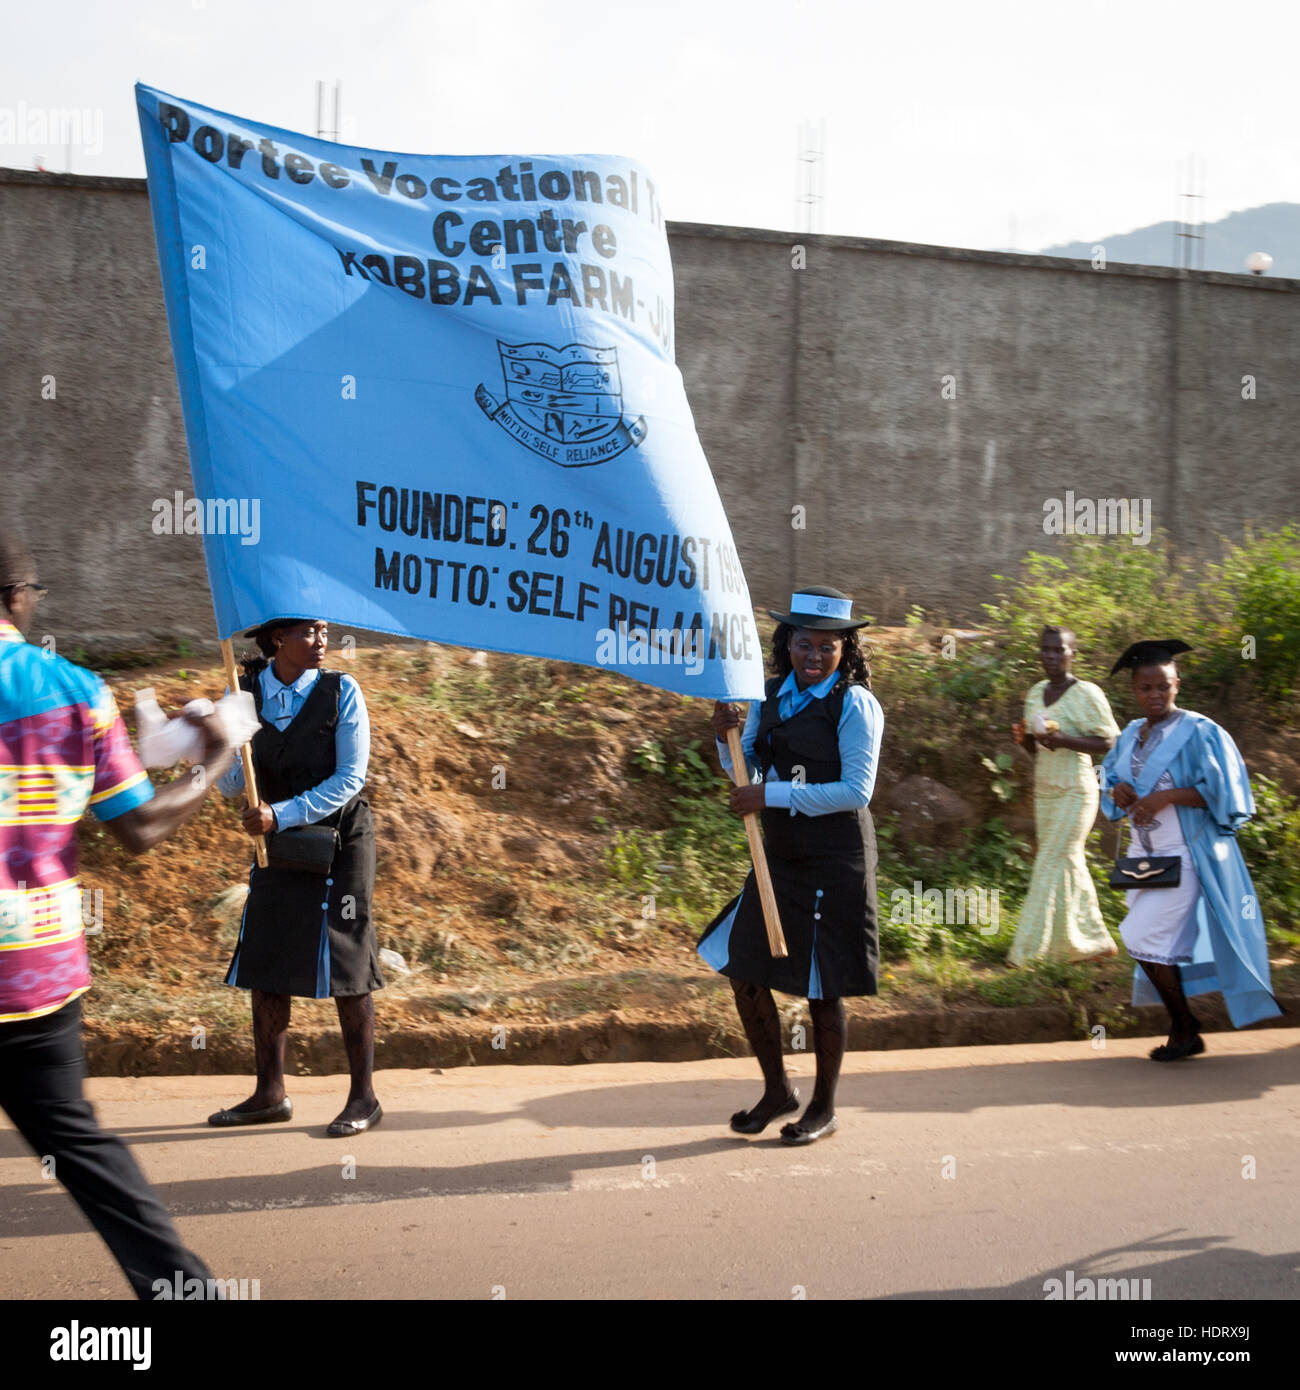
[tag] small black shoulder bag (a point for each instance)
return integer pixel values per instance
(308, 848)
(1145, 871)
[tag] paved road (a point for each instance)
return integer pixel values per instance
(976, 1172)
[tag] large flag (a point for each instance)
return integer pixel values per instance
(436, 396)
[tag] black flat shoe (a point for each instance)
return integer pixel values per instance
(345, 1129)
(1166, 1053)
(225, 1118)
(744, 1123)
(792, 1134)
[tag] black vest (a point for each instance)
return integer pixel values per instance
(292, 762)
(809, 740)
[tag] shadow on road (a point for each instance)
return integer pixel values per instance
(29, 1211)
(1097, 1080)
(1206, 1269)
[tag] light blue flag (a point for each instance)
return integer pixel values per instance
(436, 396)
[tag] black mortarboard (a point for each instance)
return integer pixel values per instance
(1155, 652)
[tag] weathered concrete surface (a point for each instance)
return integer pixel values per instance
(977, 1172)
(819, 388)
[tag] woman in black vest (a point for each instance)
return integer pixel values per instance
(306, 929)
(815, 744)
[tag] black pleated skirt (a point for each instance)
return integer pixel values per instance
(824, 874)
(312, 935)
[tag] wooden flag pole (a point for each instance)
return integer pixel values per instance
(250, 777)
(766, 893)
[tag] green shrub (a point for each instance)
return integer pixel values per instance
(1012, 990)
(1111, 592)
(1270, 843)
(1260, 580)
(701, 860)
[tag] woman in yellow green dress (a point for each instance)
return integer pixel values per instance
(1067, 723)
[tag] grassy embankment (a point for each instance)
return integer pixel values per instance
(553, 838)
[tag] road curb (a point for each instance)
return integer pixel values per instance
(139, 1049)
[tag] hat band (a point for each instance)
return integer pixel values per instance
(820, 605)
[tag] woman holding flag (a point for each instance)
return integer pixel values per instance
(306, 929)
(814, 745)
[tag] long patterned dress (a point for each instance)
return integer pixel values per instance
(1061, 919)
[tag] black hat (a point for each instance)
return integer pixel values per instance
(1157, 652)
(265, 629)
(816, 606)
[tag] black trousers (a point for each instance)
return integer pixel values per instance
(42, 1067)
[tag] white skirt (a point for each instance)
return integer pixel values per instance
(1161, 922)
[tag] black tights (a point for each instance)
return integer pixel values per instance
(762, 1024)
(829, 1029)
(357, 1020)
(271, 1014)
(1168, 981)
(270, 1029)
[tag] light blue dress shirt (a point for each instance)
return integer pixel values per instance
(861, 727)
(280, 703)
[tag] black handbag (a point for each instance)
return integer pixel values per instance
(310, 849)
(1145, 871)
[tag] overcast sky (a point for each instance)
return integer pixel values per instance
(984, 125)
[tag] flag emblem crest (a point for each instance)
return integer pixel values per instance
(564, 403)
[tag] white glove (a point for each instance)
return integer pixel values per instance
(164, 742)
(238, 715)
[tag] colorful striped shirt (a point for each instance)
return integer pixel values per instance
(63, 747)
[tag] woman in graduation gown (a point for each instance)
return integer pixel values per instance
(307, 933)
(1181, 781)
(814, 743)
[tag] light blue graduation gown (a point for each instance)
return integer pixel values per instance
(1231, 954)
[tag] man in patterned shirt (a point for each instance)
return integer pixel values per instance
(63, 746)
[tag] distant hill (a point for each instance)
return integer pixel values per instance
(1274, 228)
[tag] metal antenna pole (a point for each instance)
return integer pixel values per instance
(1178, 215)
(1192, 228)
(321, 132)
(1205, 200)
(810, 172)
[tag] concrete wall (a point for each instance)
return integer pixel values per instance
(80, 300)
(1125, 382)
(818, 388)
